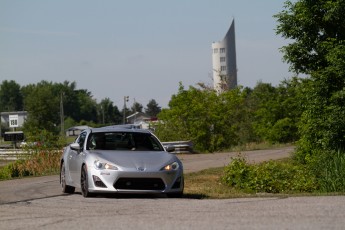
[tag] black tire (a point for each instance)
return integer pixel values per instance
(65, 188)
(84, 183)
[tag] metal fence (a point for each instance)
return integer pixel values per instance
(180, 146)
(12, 154)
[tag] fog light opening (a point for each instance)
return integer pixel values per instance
(98, 182)
(177, 183)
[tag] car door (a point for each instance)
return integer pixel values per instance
(74, 159)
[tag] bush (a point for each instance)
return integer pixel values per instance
(269, 177)
(238, 173)
(5, 173)
(283, 131)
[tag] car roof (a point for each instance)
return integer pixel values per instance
(119, 128)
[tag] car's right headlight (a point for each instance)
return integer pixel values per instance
(170, 167)
(102, 165)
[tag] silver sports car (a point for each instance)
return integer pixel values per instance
(120, 160)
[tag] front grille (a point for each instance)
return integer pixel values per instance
(140, 184)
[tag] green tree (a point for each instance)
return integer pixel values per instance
(109, 114)
(69, 122)
(276, 111)
(312, 25)
(43, 103)
(317, 29)
(68, 92)
(43, 107)
(290, 102)
(136, 107)
(174, 120)
(265, 109)
(245, 132)
(11, 98)
(210, 121)
(87, 106)
(231, 127)
(152, 108)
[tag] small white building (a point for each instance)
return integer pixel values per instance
(76, 130)
(141, 119)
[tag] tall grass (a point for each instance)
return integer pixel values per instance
(40, 162)
(332, 172)
(43, 157)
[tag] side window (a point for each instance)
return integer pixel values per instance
(155, 144)
(81, 139)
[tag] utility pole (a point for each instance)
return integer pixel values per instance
(125, 99)
(0, 129)
(102, 111)
(135, 111)
(62, 116)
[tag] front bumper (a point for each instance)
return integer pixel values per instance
(110, 181)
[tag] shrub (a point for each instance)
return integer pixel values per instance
(5, 173)
(269, 177)
(238, 173)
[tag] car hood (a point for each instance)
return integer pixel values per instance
(137, 159)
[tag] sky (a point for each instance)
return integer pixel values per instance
(141, 49)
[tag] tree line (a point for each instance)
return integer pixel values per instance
(213, 122)
(237, 117)
(44, 102)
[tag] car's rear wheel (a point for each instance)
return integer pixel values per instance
(65, 188)
(84, 183)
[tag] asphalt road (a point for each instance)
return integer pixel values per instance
(37, 203)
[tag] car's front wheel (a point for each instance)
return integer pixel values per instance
(65, 188)
(84, 183)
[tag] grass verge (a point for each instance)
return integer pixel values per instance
(207, 184)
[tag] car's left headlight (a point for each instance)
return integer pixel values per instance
(101, 165)
(171, 167)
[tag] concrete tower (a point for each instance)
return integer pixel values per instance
(224, 62)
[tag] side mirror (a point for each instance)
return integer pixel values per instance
(75, 146)
(169, 148)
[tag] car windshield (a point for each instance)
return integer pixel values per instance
(131, 141)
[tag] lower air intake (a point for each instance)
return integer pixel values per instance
(140, 184)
